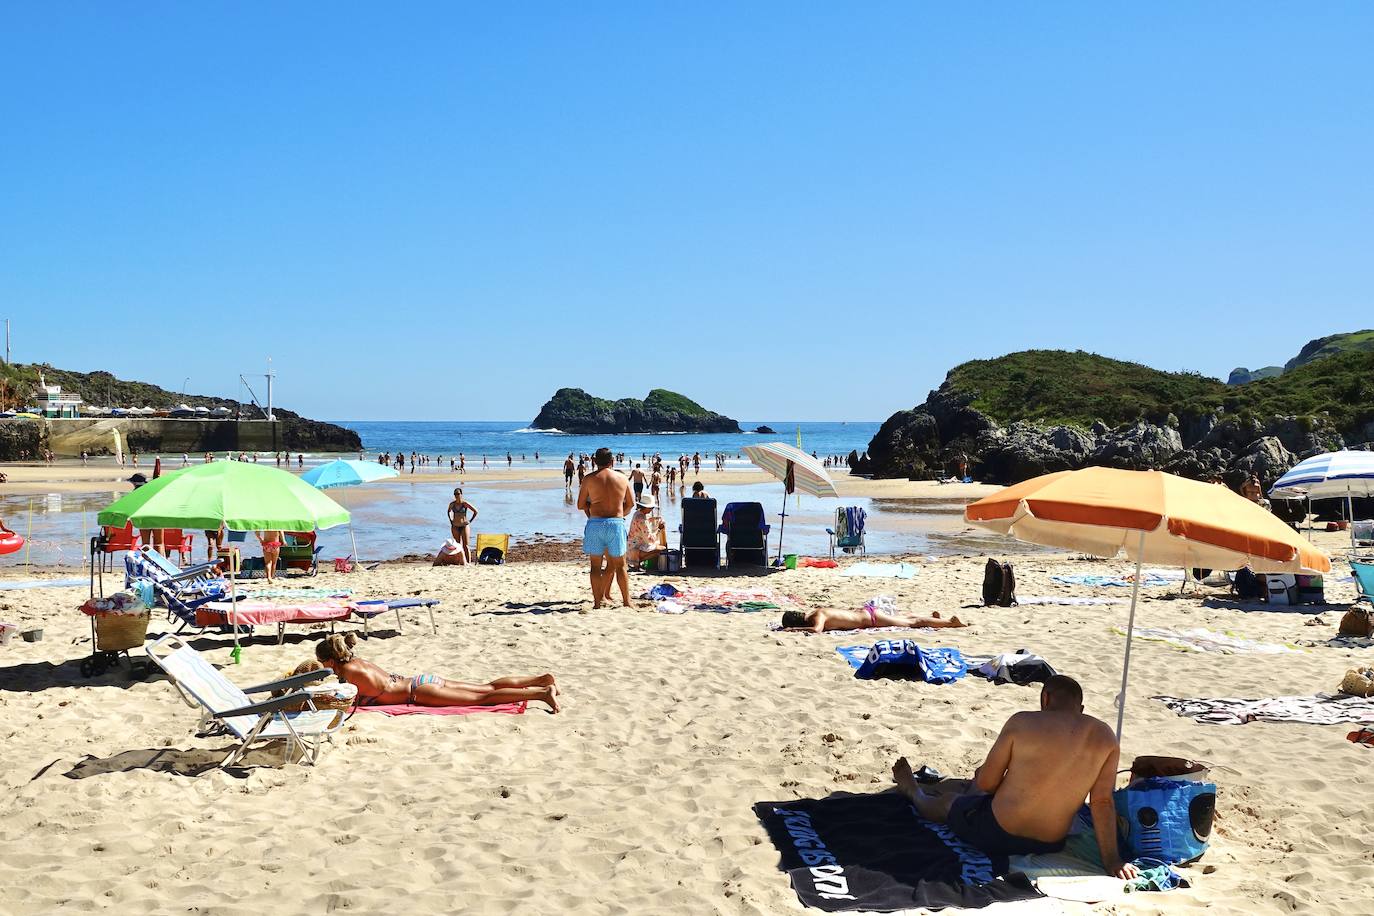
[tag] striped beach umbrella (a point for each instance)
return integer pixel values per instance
(345, 472)
(1344, 473)
(1152, 517)
(797, 471)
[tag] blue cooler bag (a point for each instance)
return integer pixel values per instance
(1169, 820)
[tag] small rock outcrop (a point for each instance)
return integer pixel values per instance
(766, 431)
(572, 410)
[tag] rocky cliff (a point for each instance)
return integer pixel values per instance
(1036, 412)
(572, 410)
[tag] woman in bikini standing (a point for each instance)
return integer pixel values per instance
(377, 687)
(459, 520)
(271, 549)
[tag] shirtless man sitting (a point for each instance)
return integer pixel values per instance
(823, 619)
(1024, 797)
(605, 497)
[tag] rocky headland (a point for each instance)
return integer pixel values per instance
(1039, 411)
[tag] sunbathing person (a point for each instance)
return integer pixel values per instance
(380, 688)
(1024, 797)
(823, 619)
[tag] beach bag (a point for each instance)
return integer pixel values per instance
(1358, 682)
(491, 556)
(999, 584)
(1248, 585)
(1358, 621)
(1169, 820)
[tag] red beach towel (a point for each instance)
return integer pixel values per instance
(406, 709)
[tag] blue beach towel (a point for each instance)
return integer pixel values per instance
(903, 659)
(1147, 580)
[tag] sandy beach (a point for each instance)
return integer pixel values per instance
(636, 798)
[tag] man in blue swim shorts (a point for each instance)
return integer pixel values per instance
(605, 497)
(1025, 796)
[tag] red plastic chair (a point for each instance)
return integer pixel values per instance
(167, 540)
(112, 540)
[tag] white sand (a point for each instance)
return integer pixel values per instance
(636, 799)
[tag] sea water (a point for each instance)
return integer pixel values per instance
(408, 516)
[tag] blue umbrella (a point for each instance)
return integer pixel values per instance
(345, 472)
(1331, 475)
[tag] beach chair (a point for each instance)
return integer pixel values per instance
(147, 563)
(111, 541)
(746, 533)
(169, 541)
(699, 535)
(499, 542)
(367, 608)
(1364, 580)
(848, 533)
(299, 552)
(225, 706)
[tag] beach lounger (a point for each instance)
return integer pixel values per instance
(147, 563)
(848, 533)
(365, 610)
(111, 541)
(699, 535)
(300, 552)
(248, 613)
(225, 705)
(746, 533)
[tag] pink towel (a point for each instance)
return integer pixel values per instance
(406, 709)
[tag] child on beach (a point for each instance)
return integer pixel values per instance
(377, 687)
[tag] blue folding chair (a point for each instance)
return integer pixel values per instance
(848, 533)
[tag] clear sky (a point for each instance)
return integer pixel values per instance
(798, 210)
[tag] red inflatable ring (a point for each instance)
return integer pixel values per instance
(10, 541)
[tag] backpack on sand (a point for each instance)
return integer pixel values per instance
(1248, 586)
(999, 584)
(491, 556)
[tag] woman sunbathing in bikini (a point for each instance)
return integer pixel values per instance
(832, 619)
(380, 688)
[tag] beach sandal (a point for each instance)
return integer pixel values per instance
(928, 775)
(1364, 736)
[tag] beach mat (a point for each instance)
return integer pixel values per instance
(1321, 709)
(874, 853)
(406, 709)
(881, 570)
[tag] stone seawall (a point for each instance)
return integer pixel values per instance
(68, 438)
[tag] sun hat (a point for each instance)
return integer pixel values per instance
(450, 546)
(647, 502)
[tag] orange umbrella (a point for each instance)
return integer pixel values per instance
(1152, 517)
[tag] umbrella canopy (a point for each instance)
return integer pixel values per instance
(806, 472)
(1333, 474)
(1151, 516)
(346, 473)
(241, 495)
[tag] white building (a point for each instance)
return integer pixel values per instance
(54, 404)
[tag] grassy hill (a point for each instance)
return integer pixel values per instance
(1057, 386)
(1336, 344)
(662, 399)
(97, 388)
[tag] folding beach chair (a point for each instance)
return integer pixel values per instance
(225, 706)
(300, 552)
(366, 609)
(699, 535)
(746, 533)
(1364, 580)
(147, 563)
(848, 533)
(499, 542)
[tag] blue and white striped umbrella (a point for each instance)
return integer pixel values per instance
(1344, 473)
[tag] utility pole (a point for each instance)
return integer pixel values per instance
(7, 341)
(269, 389)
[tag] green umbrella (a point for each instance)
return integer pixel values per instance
(242, 496)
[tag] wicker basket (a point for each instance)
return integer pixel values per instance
(117, 632)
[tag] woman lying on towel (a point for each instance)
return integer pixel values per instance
(379, 688)
(869, 616)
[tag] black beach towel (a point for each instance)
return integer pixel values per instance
(873, 852)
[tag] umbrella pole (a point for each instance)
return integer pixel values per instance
(1130, 631)
(1350, 515)
(782, 526)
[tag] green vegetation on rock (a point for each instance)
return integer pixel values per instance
(573, 410)
(662, 399)
(1334, 345)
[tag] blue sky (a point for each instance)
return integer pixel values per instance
(800, 210)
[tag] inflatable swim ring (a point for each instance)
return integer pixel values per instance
(10, 541)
